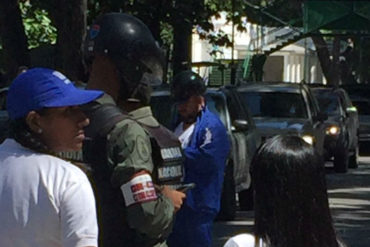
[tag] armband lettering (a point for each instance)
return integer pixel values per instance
(138, 190)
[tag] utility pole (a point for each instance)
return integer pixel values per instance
(232, 66)
(306, 75)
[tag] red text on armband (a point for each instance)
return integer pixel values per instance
(138, 190)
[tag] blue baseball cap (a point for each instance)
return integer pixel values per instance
(39, 88)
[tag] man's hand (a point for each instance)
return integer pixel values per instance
(175, 196)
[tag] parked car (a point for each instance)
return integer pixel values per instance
(342, 126)
(363, 109)
(360, 97)
(285, 108)
(243, 137)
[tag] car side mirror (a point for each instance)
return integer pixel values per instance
(321, 117)
(351, 109)
(240, 124)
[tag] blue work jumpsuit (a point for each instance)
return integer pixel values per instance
(205, 162)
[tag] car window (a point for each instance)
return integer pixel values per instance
(312, 102)
(163, 110)
(216, 104)
(329, 104)
(275, 104)
(238, 110)
(347, 99)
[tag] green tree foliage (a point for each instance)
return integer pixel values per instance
(37, 25)
(172, 22)
(328, 43)
(13, 40)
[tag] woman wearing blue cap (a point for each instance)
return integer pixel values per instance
(45, 200)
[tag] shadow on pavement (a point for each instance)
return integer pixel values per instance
(349, 198)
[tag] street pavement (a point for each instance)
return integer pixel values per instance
(349, 200)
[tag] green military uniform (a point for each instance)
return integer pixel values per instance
(126, 150)
(167, 153)
(144, 115)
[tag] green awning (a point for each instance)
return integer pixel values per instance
(349, 16)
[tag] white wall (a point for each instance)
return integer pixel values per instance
(293, 55)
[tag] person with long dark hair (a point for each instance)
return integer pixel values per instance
(291, 200)
(45, 200)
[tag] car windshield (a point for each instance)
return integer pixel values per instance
(328, 103)
(216, 104)
(164, 109)
(275, 104)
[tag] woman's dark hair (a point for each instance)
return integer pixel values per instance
(20, 131)
(291, 201)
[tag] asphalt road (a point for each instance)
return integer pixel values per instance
(349, 199)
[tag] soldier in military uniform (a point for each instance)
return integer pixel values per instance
(132, 181)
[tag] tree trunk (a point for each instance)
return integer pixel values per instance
(181, 58)
(70, 21)
(13, 37)
(334, 70)
(323, 55)
(329, 61)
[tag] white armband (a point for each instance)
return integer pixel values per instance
(138, 190)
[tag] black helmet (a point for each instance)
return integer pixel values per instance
(186, 84)
(132, 48)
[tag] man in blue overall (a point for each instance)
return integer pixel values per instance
(206, 147)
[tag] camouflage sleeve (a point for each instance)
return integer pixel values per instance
(129, 152)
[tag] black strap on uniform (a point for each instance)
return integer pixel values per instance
(102, 119)
(113, 228)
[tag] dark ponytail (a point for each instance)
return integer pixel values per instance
(20, 131)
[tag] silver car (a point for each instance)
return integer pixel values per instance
(285, 108)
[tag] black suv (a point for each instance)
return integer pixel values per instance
(285, 108)
(342, 125)
(243, 137)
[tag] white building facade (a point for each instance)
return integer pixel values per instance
(293, 63)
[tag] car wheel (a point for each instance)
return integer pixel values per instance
(228, 200)
(341, 160)
(246, 202)
(353, 159)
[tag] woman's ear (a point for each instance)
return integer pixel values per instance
(33, 122)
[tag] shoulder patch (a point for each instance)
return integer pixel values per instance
(142, 148)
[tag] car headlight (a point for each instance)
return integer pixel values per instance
(308, 139)
(332, 130)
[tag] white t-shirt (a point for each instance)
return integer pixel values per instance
(247, 240)
(44, 201)
(242, 240)
(184, 135)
